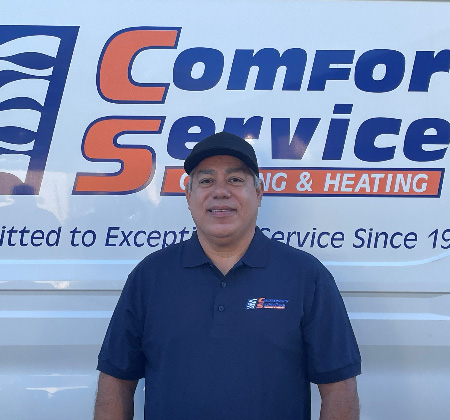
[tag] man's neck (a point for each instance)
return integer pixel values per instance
(225, 253)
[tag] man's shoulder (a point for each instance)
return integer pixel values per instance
(282, 251)
(164, 254)
(165, 258)
(286, 263)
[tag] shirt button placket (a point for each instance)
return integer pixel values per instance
(221, 302)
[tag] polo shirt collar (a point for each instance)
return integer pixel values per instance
(257, 254)
(193, 254)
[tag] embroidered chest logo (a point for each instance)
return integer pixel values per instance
(263, 303)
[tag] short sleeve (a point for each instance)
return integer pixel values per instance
(332, 353)
(121, 354)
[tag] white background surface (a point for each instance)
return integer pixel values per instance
(54, 312)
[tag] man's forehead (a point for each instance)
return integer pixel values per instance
(230, 170)
(223, 162)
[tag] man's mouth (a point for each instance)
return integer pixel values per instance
(221, 211)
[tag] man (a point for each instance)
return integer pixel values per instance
(228, 325)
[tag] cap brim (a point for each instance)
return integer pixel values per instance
(192, 161)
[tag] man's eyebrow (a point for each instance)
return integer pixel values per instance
(205, 172)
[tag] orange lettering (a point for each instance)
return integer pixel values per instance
(114, 79)
(137, 162)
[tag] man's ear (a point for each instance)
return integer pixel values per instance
(260, 191)
(187, 193)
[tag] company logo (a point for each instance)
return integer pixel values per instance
(425, 139)
(34, 62)
(263, 303)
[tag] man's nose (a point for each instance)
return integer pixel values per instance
(221, 190)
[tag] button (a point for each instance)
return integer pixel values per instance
(224, 284)
(221, 308)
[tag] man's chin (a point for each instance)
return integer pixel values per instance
(220, 232)
(223, 233)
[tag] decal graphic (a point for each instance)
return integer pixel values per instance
(332, 182)
(263, 303)
(34, 62)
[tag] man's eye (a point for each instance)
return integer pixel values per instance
(236, 180)
(205, 181)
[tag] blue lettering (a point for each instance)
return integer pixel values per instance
(321, 71)
(182, 69)
(109, 235)
(249, 129)
(188, 130)
(394, 62)
(337, 133)
(268, 61)
(357, 236)
(426, 64)
(416, 136)
(283, 147)
(369, 130)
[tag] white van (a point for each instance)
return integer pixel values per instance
(346, 106)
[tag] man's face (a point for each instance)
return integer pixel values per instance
(223, 200)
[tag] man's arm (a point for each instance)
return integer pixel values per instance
(339, 400)
(115, 398)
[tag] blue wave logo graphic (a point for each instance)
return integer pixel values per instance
(34, 62)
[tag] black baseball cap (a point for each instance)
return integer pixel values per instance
(222, 144)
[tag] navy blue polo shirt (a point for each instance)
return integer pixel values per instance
(241, 346)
